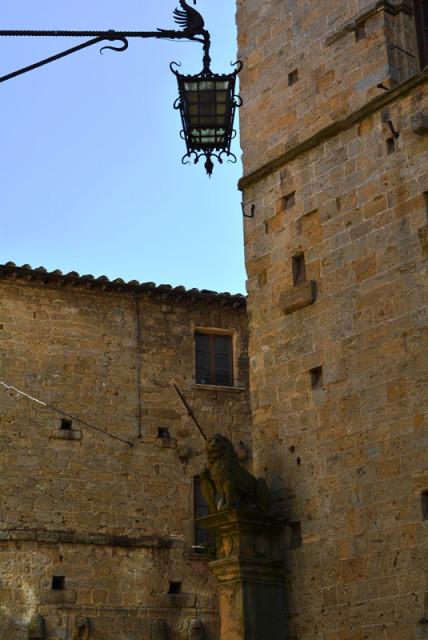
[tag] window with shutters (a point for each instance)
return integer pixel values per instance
(421, 17)
(214, 359)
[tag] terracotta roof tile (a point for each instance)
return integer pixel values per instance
(103, 283)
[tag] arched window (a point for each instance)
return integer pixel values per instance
(421, 17)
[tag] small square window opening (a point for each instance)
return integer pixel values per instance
(299, 269)
(163, 432)
(293, 77)
(58, 583)
(316, 378)
(66, 425)
(174, 588)
(289, 200)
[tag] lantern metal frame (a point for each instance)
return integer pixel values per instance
(193, 29)
(207, 135)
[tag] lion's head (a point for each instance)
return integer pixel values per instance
(220, 447)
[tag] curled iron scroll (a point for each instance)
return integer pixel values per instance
(174, 64)
(238, 64)
(125, 45)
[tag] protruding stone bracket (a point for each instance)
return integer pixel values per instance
(420, 123)
(249, 570)
(298, 297)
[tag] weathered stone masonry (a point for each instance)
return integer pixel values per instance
(115, 522)
(336, 176)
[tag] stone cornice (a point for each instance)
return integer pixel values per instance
(361, 18)
(376, 104)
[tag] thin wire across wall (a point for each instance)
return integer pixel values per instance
(8, 387)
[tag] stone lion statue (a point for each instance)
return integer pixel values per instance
(227, 485)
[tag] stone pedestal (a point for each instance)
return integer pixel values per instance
(249, 571)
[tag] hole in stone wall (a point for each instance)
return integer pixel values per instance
(58, 583)
(253, 210)
(293, 77)
(360, 32)
(292, 449)
(299, 462)
(424, 505)
(163, 432)
(174, 588)
(66, 425)
(426, 205)
(299, 269)
(289, 200)
(295, 540)
(316, 378)
(390, 146)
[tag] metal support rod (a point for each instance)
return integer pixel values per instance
(202, 36)
(110, 34)
(190, 412)
(57, 56)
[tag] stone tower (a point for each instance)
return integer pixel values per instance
(335, 148)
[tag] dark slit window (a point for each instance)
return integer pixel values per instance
(214, 359)
(421, 17)
(299, 269)
(200, 510)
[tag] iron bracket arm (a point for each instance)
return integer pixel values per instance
(202, 36)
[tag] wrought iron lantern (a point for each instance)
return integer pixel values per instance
(207, 104)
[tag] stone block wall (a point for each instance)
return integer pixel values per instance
(308, 65)
(336, 173)
(115, 521)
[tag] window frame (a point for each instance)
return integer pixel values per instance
(421, 31)
(213, 333)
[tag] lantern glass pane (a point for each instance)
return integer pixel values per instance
(207, 85)
(207, 109)
(192, 97)
(208, 122)
(221, 96)
(207, 96)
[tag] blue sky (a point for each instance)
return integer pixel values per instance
(90, 162)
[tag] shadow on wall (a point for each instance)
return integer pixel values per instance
(9, 630)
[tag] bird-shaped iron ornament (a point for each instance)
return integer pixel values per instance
(189, 19)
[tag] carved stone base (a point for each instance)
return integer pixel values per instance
(249, 571)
